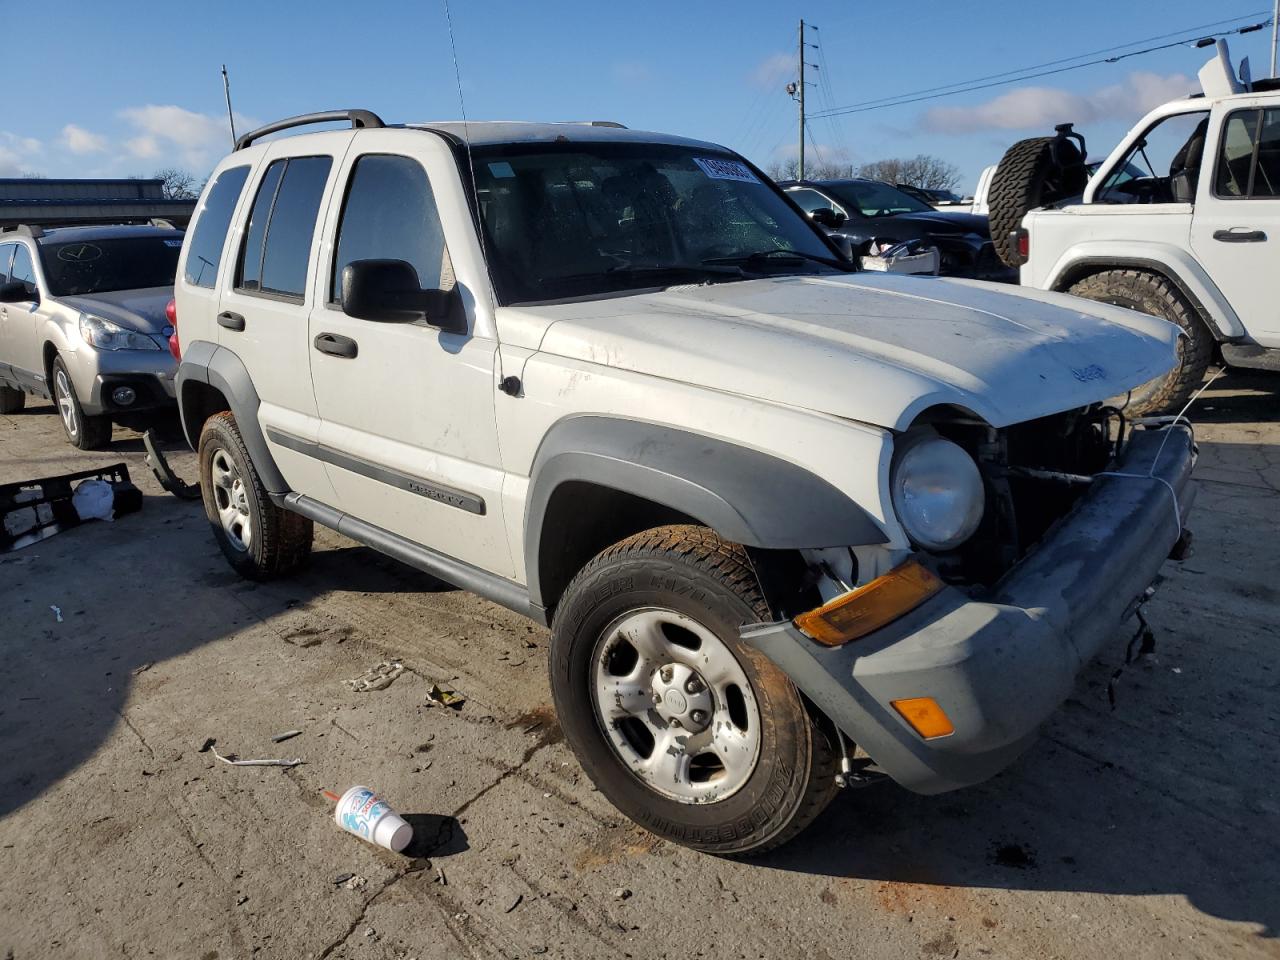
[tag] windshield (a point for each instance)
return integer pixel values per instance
(78, 267)
(568, 220)
(873, 199)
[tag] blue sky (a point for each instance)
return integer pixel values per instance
(104, 89)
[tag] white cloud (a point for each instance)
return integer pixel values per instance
(178, 135)
(16, 153)
(1042, 107)
(773, 69)
(79, 140)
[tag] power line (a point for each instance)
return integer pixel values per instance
(969, 86)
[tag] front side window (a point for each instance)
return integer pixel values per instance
(205, 245)
(811, 200)
(1162, 166)
(1249, 156)
(23, 270)
(277, 246)
(390, 214)
(566, 220)
(78, 267)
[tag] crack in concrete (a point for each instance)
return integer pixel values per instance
(141, 739)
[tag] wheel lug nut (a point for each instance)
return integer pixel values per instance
(666, 673)
(675, 721)
(697, 716)
(692, 685)
(657, 698)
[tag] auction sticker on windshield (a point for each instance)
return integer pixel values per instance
(725, 170)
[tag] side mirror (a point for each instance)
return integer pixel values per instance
(843, 244)
(388, 291)
(15, 291)
(826, 217)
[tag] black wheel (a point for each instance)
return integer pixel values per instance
(82, 430)
(260, 540)
(11, 400)
(1149, 293)
(1029, 177)
(689, 732)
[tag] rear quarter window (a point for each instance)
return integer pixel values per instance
(204, 246)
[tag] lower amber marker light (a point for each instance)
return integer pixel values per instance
(925, 717)
(871, 606)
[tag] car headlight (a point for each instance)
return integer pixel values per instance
(937, 492)
(105, 335)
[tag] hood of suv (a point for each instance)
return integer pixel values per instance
(141, 310)
(874, 348)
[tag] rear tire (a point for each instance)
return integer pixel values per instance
(1153, 294)
(260, 540)
(83, 431)
(11, 400)
(1027, 178)
(748, 770)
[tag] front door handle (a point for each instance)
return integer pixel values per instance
(1240, 236)
(336, 345)
(232, 321)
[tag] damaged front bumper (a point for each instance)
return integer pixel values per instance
(1000, 663)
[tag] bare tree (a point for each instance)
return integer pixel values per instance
(813, 170)
(32, 175)
(922, 170)
(178, 183)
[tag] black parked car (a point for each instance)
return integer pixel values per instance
(864, 210)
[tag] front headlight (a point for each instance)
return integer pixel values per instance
(937, 491)
(105, 335)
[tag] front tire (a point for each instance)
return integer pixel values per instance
(260, 540)
(1149, 293)
(83, 432)
(688, 731)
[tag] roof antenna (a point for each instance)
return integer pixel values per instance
(226, 88)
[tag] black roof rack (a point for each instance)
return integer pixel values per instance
(358, 118)
(23, 230)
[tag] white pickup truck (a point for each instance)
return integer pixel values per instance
(1178, 221)
(791, 526)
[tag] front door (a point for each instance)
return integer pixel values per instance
(407, 423)
(1235, 231)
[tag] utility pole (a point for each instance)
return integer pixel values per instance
(226, 89)
(1275, 35)
(801, 95)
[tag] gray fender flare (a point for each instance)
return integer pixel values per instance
(744, 495)
(218, 367)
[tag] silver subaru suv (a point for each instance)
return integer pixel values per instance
(85, 320)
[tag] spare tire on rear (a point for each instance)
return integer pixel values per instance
(1032, 173)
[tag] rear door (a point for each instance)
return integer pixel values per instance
(408, 428)
(24, 349)
(1235, 230)
(267, 296)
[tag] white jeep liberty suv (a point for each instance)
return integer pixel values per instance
(792, 526)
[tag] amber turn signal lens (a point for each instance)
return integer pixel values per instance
(871, 606)
(925, 716)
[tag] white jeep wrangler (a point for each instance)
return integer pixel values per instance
(1177, 222)
(790, 525)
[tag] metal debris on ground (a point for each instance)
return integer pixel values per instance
(378, 677)
(165, 476)
(445, 697)
(235, 762)
(287, 735)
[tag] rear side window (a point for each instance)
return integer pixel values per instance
(204, 250)
(277, 244)
(1249, 157)
(6, 254)
(390, 213)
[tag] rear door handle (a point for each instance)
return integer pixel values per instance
(1240, 236)
(336, 345)
(232, 321)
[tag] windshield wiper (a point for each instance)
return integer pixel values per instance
(761, 255)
